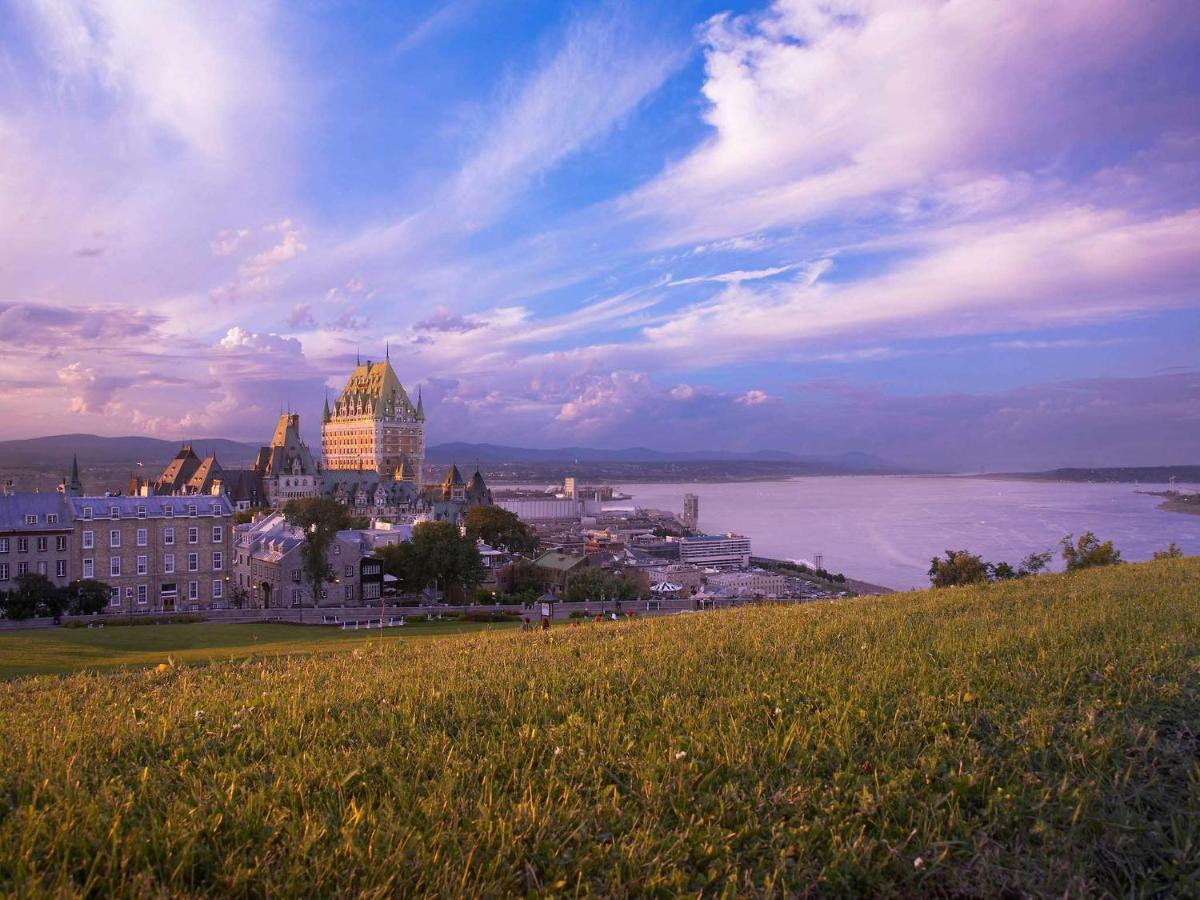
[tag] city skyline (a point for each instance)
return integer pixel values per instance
(953, 235)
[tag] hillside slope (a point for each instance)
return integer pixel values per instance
(1037, 737)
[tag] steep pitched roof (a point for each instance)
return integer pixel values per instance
(374, 390)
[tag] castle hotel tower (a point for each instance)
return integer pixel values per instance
(374, 426)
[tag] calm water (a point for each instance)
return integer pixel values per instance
(884, 529)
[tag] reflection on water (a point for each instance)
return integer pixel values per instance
(884, 529)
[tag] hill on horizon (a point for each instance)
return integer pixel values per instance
(56, 451)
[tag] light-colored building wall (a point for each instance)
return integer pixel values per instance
(724, 550)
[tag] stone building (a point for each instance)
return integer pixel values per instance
(268, 567)
(374, 426)
(156, 553)
(35, 536)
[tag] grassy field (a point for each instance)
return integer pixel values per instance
(59, 650)
(1032, 738)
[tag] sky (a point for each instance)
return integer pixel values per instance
(961, 234)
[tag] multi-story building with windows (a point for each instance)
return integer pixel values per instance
(157, 554)
(268, 567)
(719, 550)
(35, 536)
(373, 426)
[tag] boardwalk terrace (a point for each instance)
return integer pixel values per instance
(158, 554)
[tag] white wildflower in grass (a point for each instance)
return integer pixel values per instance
(558, 751)
(681, 754)
(198, 715)
(919, 863)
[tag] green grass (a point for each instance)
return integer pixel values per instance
(1031, 738)
(60, 650)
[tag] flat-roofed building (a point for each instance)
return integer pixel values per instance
(720, 550)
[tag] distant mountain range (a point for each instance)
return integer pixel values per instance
(55, 452)
(1115, 474)
(466, 454)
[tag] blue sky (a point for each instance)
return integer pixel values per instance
(953, 234)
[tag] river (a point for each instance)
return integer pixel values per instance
(884, 529)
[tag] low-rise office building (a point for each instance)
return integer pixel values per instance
(719, 550)
(269, 572)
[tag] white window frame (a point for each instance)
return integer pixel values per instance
(218, 589)
(193, 590)
(89, 540)
(114, 512)
(143, 565)
(89, 568)
(114, 567)
(218, 534)
(114, 597)
(4, 571)
(60, 543)
(3, 545)
(143, 595)
(114, 538)
(193, 535)
(168, 563)
(60, 568)
(169, 537)
(193, 562)
(218, 560)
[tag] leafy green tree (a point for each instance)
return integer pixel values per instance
(958, 568)
(86, 596)
(1001, 571)
(500, 528)
(1035, 563)
(524, 578)
(438, 555)
(1172, 552)
(595, 584)
(1088, 552)
(33, 595)
(320, 518)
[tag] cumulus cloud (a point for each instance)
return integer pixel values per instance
(89, 392)
(238, 339)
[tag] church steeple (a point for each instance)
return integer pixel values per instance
(327, 415)
(73, 487)
(420, 406)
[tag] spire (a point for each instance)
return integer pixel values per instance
(420, 406)
(327, 416)
(357, 357)
(387, 351)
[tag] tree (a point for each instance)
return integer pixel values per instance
(959, 567)
(33, 595)
(320, 518)
(1172, 552)
(500, 528)
(438, 554)
(86, 596)
(595, 584)
(1035, 563)
(524, 577)
(400, 561)
(1088, 552)
(1001, 571)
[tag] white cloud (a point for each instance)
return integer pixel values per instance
(820, 108)
(238, 339)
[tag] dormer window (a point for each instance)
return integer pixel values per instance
(114, 512)
(31, 520)
(168, 510)
(191, 509)
(87, 512)
(51, 518)
(141, 511)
